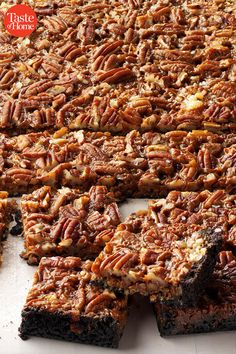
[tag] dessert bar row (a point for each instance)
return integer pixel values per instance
(64, 304)
(150, 256)
(169, 257)
(121, 65)
(167, 252)
(68, 222)
(137, 165)
(150, 252)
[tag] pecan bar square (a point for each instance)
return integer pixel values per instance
(63, 305)
(217, 308)
(203, 208)
(173, 262)
(66, 222)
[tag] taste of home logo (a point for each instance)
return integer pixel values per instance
(20, 20)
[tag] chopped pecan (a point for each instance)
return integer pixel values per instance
(51, 65)
(39, 199)
(34, 152)
(175, 66)
(69, 211)
(44, 10)
(205, 159)
(95, 7)
(45, 116)
(214, 198)
(20, 176)
(112, 211)
(71, 109)
(224, 89)
(6, 58)
(104, 115)
(131, 118)
(93, 152)
(106, 63)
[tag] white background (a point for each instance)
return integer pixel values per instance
(141, 334)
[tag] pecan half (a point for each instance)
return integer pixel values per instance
(114, 76)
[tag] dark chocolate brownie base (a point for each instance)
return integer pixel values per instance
(194, 283)
(103, 331)
(216, 310)
(172, 321)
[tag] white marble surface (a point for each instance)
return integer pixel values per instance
(141, 334)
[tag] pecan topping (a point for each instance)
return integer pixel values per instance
(67, 222)
(107, 48)
(211, 209)
(178, 60)
(144, 256)
(97, 196)
(70, 51)
(137, 164)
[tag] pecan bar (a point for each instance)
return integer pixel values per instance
(217, 308)
(121, 65)
(63, 305)
(202, 208)
(135, 165)
(173, 262)
(66, 222)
